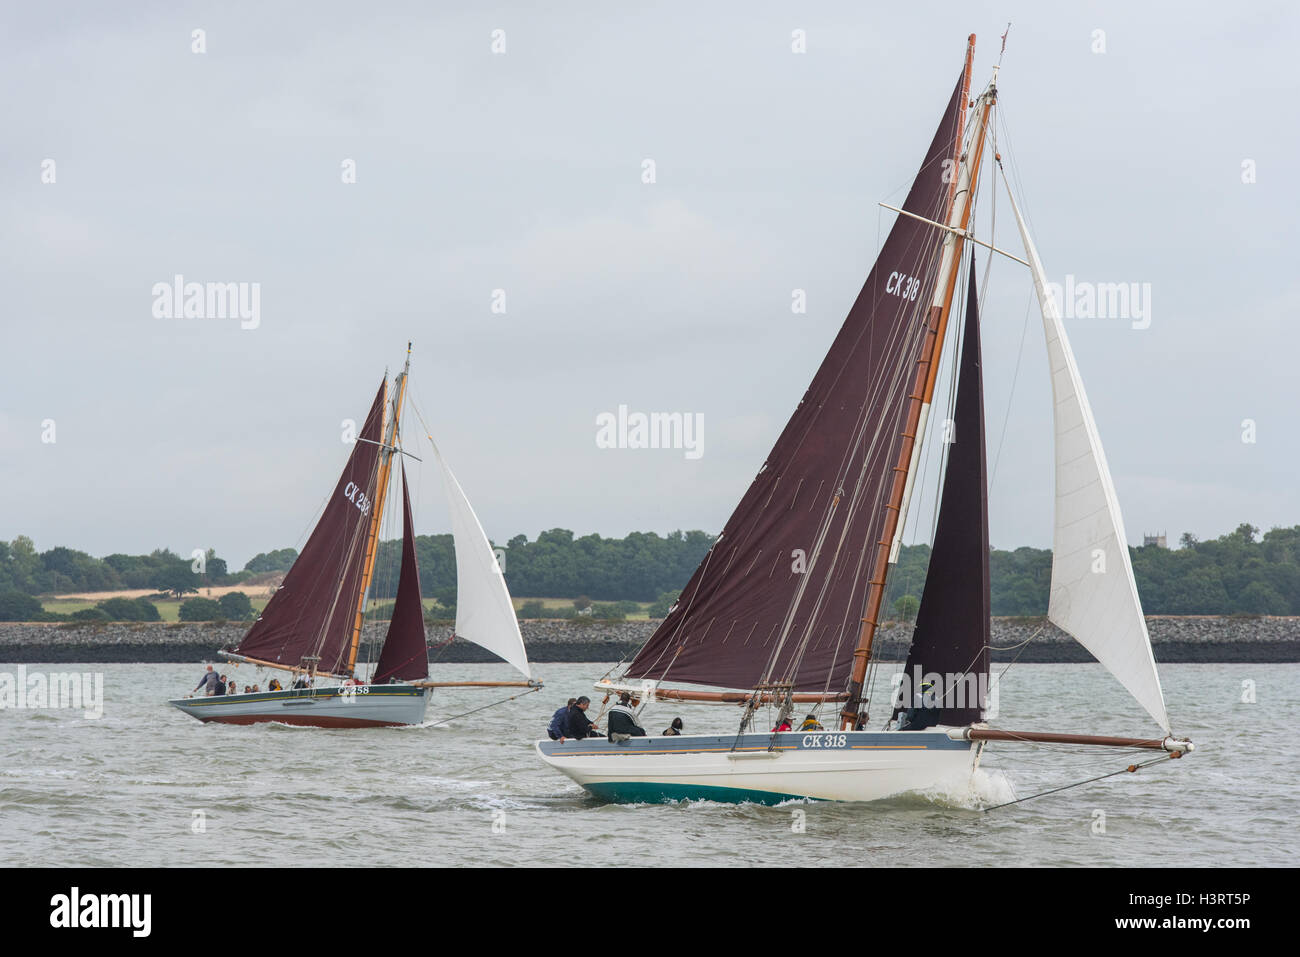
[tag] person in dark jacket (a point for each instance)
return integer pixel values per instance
(622, 722)
(922, 714)
(576, 722)
(674, 728)
(555, 730)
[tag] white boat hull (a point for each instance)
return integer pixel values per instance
(368, 706)
(765, 768)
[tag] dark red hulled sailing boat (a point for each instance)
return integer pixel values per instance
(311, 628)
(783, 610)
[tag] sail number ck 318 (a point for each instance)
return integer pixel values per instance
(905, 287)
(357, 497)
(824, 741)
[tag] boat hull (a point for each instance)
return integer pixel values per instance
(371, 706)
(764, 768)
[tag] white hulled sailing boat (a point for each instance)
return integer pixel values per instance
(836, 488)
(311, 627)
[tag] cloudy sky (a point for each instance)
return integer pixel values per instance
(522, 171)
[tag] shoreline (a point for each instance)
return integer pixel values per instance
(1201, 639)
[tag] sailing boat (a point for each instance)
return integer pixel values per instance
(784, 608)
(311, 627)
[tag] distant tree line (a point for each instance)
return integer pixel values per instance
(639, 567)
(1238, 573)
(60, 571)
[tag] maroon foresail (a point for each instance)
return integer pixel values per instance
(405, 655)
(742, 617)
(313, 611)
(950, 646)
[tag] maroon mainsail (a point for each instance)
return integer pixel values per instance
(780, 595)
(405, 655)
(314, 611)
(951, 639)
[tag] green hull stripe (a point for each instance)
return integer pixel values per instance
(648, 792)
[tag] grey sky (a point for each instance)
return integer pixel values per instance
(522, 172)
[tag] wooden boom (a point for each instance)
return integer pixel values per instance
(474, 684)
(1171, 744)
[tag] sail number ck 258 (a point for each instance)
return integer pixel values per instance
(357, 497)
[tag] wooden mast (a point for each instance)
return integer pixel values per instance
(381, 489)
(927, 367)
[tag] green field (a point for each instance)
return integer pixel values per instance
(168, 608)
(568, 603)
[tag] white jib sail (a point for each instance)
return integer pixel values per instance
(1094, 596)
(484, 612)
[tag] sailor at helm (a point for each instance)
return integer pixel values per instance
(923, 713)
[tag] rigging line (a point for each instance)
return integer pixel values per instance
(681, 619)
(360, 539)
(1015, 172)
(895, 333)
(993, 211)
(988, 265)
(825, 525)
(954, 376)
(434, 724)
(1132, 768)
(301, 541)
(1023, 645)
(859, 495)
(960, 305)
(344, 551)
(939, 158)
(1019, 644)
(1015, 376)
(966, 136)
(876, 494)
(389, 572)
(953, 343)
(615, 668)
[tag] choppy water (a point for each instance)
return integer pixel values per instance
(125, 789)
